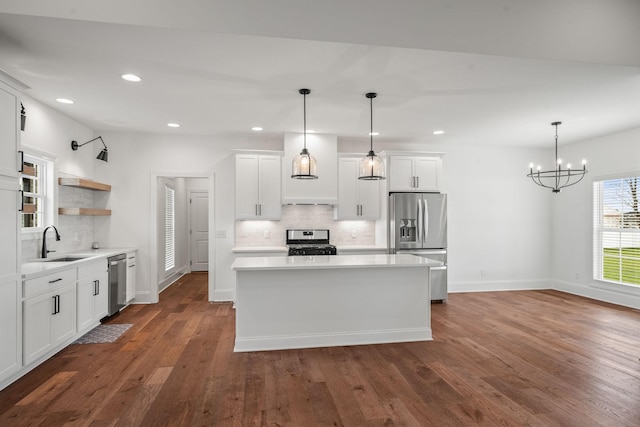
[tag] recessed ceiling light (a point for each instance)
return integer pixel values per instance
(256, 128)
(64, 101)
(374, 133)
(173, 125)
(131, 78)
(438, 132)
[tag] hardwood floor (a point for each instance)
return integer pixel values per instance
(540, 358)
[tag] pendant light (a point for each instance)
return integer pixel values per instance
(558, 178)
(371, 166)
(304, 164)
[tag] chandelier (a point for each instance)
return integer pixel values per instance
(558, 178)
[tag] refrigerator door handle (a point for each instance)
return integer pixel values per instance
(426, 221)
(419, 221)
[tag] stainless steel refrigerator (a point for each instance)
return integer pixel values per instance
(418, 225)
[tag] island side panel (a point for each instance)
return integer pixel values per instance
(301, 308)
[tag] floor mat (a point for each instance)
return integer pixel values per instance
(103, 334)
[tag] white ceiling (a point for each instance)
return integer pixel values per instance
(498, 88)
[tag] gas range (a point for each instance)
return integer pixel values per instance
(309, 242)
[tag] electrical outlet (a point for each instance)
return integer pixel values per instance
(576, 276)
(353, 234)
(221, 234)
(483, 272)
(267, 234)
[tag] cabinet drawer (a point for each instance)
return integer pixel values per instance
(51, 281)
(92, 269)
(131, 259)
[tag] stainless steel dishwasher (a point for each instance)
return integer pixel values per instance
(117, 282)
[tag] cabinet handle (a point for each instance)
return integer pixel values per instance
(54, 281)
(56, 304)
(21, 201)
(132, 265)
(413, 181)
(256, 210)
(417, 182)
(21, 161)
(96, 287)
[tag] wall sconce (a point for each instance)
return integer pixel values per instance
(23, 117)
(104, 155)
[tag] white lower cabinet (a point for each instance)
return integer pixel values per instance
(93, 298)
(131, 276)
(10, 332)
(49, 321)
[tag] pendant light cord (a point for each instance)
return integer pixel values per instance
(371, 121)
(304, 120)
(558, 167)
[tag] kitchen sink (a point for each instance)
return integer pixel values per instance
(64, 259)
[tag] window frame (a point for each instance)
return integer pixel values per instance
(598, 228)
(48, 189)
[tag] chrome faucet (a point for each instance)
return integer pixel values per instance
(44, 240)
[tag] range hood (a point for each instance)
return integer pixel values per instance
(321, 191)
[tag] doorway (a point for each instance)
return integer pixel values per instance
(172, 237)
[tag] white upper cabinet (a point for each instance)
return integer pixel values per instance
(258, 187)
(357, 198)
(323, 190)
(415, 173)
(9, 130)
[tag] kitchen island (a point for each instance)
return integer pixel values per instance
(286, 302)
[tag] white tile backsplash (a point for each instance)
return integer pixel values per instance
(272, 233)
(76, 232)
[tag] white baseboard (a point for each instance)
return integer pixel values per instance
(223, 295)
(332, 340)
(597, 292)
(499, 285)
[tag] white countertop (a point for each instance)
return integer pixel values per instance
(283, 249)
(332, 262)
(260, 249)
(37, 267)
(362, 248)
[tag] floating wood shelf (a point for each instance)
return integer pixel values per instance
(28, 170)
(84, 211)
(28, 208)
(84, 183)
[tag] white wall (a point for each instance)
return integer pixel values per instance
(573, 217)
(498, 219)
(135, 163)
(49, 132)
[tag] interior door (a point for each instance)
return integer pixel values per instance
(199, 233)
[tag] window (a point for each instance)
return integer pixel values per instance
(616, 226)
(169, 229)
(36, 184)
